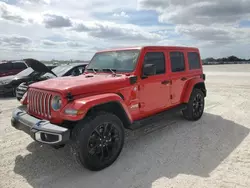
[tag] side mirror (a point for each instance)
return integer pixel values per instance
(148, 70)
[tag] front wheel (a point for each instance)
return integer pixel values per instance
(98, 140)
(13, 92)
(195, 106)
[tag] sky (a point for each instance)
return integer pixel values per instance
(74, 29)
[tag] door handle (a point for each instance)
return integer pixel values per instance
(183, 78)
(165, 82)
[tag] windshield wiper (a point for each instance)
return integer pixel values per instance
(113, 71)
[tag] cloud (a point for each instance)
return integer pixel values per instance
(198, 11)
(121, 14)
(56, 21)
(14, 40)
(109, 30)
(11, 13)
(71, 44)
(7, 15)
(46, 2)
(74, 44)
(83, 25)
(49, 43)
(209, 23)
(201, 32)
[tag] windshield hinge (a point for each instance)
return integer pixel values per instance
(69, 97)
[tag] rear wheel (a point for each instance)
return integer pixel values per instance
(195, 106)
(98, 141)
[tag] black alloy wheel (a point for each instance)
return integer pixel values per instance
(195, 107)
(97, 140)
(198, 105)
(104, 142)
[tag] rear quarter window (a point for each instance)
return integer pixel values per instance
(194, 60)
(19, 65)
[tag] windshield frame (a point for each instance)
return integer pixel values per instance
(117, 71)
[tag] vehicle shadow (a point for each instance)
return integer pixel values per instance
(165, 148)
(6, 97)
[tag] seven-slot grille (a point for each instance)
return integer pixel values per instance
(39, 103)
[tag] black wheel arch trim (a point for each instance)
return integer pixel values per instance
(121, 113)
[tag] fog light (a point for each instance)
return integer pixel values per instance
(48, 138)
(71, 111)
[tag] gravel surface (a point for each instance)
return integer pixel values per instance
(212, 152)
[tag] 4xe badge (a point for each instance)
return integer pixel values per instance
(134, 106)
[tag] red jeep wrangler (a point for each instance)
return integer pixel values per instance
(119, 90)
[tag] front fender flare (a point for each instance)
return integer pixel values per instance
(86, 103)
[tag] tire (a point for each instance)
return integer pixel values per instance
(89, 146)
(195, 106)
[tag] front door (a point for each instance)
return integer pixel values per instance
(155, 89)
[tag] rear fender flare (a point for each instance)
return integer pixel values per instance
(85, 104)
(188, 88)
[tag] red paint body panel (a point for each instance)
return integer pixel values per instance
(141, 99)
(87, 103)
(188, 88)
(83, 84)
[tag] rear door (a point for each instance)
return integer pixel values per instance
(178, 74)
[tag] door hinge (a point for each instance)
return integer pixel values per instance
(171, 96)
(138, 87)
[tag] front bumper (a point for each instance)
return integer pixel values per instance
(40, 130)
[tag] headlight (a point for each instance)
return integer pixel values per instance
(56, 103)
(5, 82)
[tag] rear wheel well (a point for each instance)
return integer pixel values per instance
(202, 87)
(112, 107)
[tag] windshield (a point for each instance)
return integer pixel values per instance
(59, 71)
(120, 61)
(25, 72)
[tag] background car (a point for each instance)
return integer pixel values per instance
(9, 68)
(72, 69)
(8, 84)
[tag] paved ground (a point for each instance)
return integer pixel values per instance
(213, 152)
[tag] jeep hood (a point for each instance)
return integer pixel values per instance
(86, 83)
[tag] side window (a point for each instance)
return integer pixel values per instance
(194, 60)
(177, 61)
(156, 58)
(76, 71)
(81, 69)
(19, 66)
(5, 67)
